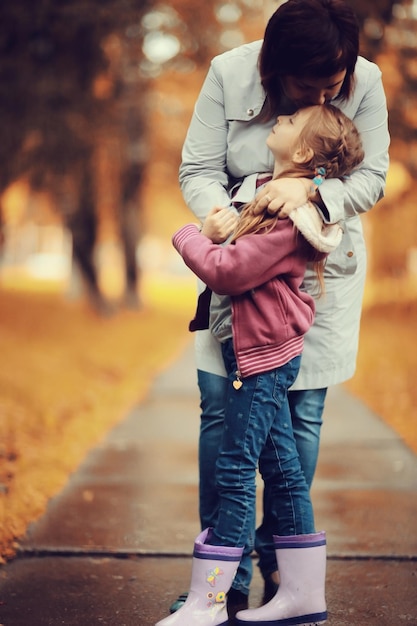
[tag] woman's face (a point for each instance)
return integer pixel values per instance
(284, 135)
(306, 91)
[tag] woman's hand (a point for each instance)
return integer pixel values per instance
(282, 196)
(219, 224)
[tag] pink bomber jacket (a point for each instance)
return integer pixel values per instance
(262, 273)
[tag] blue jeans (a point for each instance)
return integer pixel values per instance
(257, 416)
(306, 408)
(306, 412)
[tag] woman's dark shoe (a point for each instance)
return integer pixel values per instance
(236, 601)
(179, 602)
(270, 589)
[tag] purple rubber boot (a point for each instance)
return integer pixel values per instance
(300, 597)
(213, 571)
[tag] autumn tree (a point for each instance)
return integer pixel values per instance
(70, 78)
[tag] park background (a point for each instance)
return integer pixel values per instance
(95, 100)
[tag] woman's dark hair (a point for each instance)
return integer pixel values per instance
(308, 38)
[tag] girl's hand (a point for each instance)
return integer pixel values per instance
(219, 224)
(282, 196)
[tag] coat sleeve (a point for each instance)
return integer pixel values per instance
(202, 176)
(360, 191)
(249, 262)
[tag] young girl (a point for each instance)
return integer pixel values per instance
(261, 323)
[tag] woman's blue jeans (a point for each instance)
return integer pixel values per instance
(306, 409)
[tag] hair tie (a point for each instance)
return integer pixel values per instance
(317, 180)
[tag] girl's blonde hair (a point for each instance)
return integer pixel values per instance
(335, 144)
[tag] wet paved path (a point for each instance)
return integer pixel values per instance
(113, 548)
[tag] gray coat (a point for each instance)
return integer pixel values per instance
(224, 144)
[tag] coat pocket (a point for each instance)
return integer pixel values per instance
(343, 260)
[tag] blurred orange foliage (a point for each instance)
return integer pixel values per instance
(387, 365)
(66, 377)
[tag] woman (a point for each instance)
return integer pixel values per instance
(309, 55)
(260, 322)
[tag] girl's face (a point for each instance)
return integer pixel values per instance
(284, 135)
(308, 91)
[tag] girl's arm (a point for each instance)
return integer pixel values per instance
(219, 223)
(247, 263)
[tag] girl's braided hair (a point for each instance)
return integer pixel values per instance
(335, 144)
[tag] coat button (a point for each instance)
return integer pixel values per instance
(350, 254)
(250, 112)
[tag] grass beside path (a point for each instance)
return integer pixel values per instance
(66, 377)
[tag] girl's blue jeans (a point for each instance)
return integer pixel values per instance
(306, 408)
(253, 425)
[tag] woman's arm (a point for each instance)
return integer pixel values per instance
(361, 191)
(202, 175)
